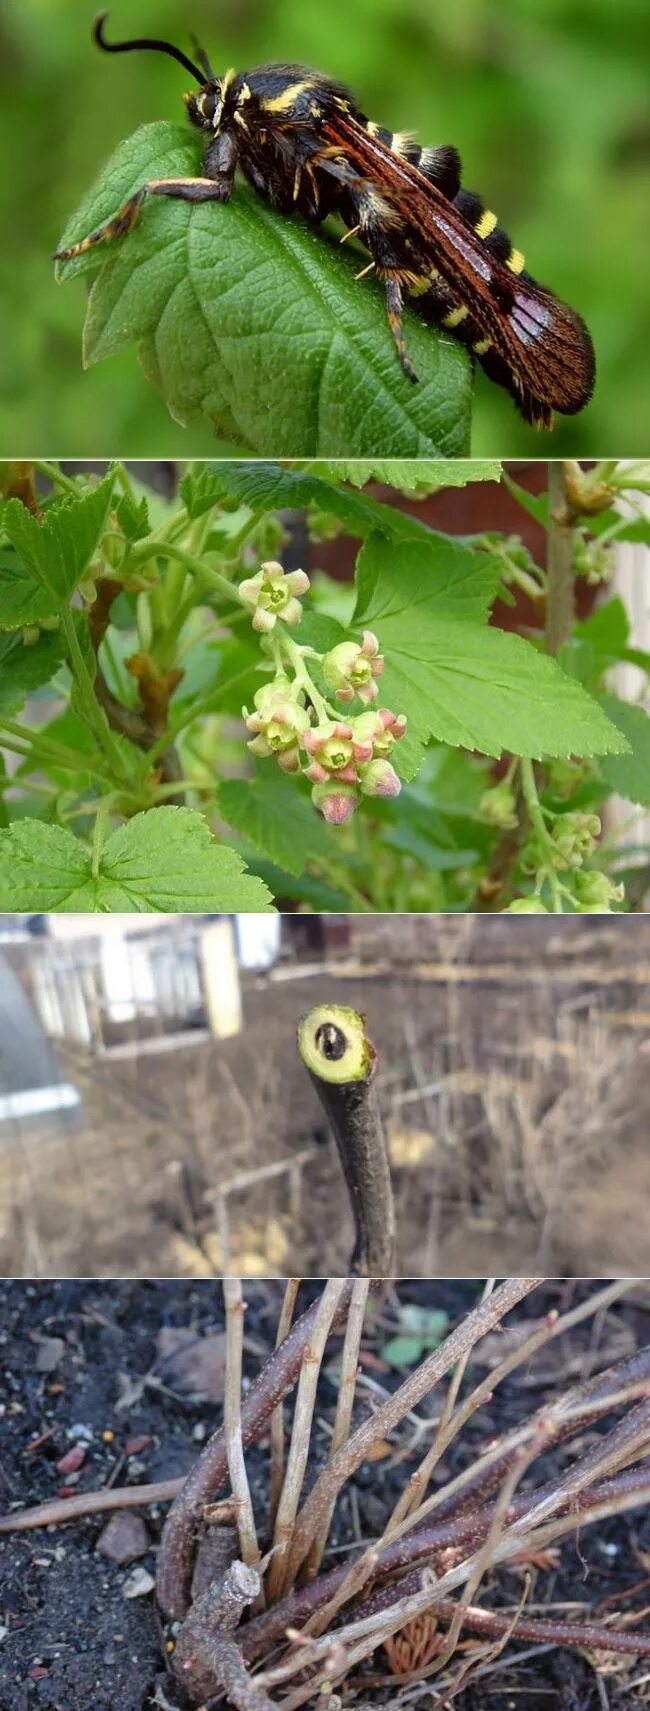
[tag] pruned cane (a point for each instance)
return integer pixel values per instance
(341, 1061)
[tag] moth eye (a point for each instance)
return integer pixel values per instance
(210, 106)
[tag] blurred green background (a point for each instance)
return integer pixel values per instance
(547, 101)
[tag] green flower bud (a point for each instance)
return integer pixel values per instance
(595, 893)
(575, 836)
(498, 806)
(526, 906)
(336, 802)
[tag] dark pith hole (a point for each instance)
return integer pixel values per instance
(331, 1041)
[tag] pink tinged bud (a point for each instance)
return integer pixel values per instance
(379, 779)
(346, 774)
(335, 802)
(393, 722)
(289, 759)
(362, 751)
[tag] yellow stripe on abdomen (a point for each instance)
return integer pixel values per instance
(486, 224)
(454, 317)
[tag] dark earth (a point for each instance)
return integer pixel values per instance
(71, 1640)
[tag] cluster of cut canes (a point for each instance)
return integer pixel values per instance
(274, 1628)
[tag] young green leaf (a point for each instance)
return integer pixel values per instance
(254, 324)
(23, 669)
(58, 550)
(165, 860)
(402, 1351)
(456, 679)
(273, 815)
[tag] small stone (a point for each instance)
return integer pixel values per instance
(138, 1584)
(124, 1538)
(135, 1446)
(49, 1352)
(191, 1364)
(73, 1460)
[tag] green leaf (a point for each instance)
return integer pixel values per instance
(535, 504)
(267, 487)
(323, 898)
(254, 323)
(411, 840)
(23, 670)
(318, 630)
(223, 675)
(415, 477)
(629, 774)
(58, 550)
(439, 578)
(607, 630)
(275, 817)
(455, 679)
(23, 599)
(163, 860)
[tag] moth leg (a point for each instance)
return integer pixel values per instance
(180, 189)
(394, 308)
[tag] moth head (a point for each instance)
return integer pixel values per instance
(206, 108)
(210, 110)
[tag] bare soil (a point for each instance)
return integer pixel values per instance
(71, 1638)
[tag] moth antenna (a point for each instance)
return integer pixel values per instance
(201, 58)
(144, 42)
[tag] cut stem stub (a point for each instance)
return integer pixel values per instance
(335, 1049)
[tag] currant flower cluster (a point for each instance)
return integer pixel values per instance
(570, 841)
(345, 758)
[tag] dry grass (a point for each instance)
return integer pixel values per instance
(516, 1106)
